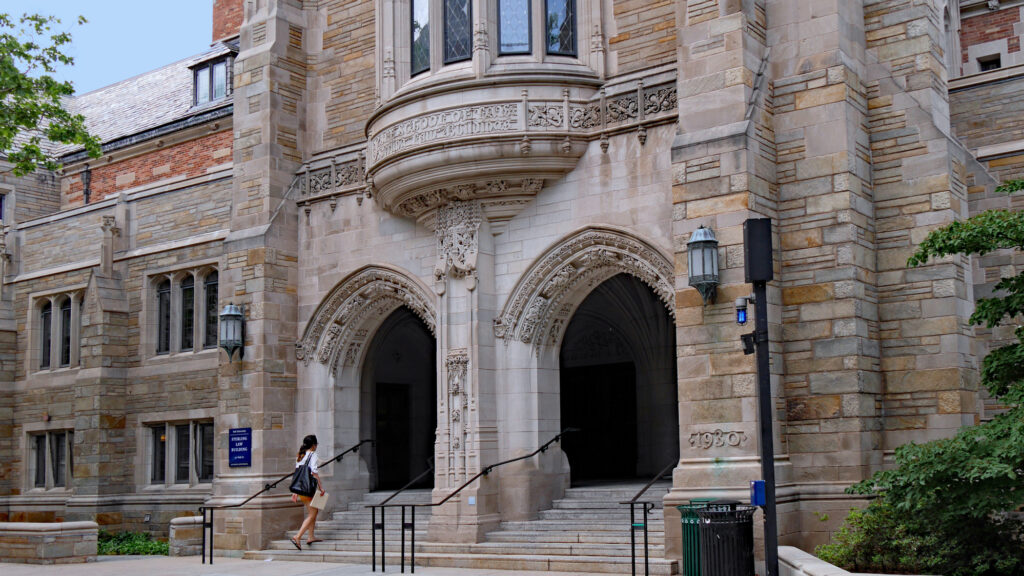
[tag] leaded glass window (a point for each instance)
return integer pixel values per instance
(560, 27)
(458, 31)
(45, 333)
(513, 27)
(210, 312)
(420, 36)
(188, 311)
(65, 332)
(163, 305)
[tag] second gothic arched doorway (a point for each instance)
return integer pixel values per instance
(618, 384)
(399, 395)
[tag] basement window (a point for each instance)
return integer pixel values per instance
(987, 63)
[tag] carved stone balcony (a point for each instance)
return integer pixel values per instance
(498, 139)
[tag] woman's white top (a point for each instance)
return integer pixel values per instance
(314, 461)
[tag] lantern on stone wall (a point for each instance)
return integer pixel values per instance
(702, 257)
(232, 330)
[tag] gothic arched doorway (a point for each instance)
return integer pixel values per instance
(399, 396)
(618, 384)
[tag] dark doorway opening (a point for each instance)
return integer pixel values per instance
(618, 384)
(400, 374)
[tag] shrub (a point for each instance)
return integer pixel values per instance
(130, 543)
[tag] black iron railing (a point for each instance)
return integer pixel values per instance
(207, 511)
(645, 507)
(411, 525)
(380, 525)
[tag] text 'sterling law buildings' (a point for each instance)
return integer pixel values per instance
(459, 227)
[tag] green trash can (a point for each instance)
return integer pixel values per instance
(691, 535)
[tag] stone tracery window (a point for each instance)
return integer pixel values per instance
(184, 316)
(57, 327)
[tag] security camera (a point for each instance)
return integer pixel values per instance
(741, 311)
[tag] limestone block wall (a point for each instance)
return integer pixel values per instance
(642, 34)
(46, 244)
(28, 197)
(186, 213)
(49, 543)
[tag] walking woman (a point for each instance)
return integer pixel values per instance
(307, 454)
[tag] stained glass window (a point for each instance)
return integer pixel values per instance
(210, 291)
(188, 310)
(65, 332)
(163, 304)
(458, 31)
(420, 36)
(514, 26)
(560, 27)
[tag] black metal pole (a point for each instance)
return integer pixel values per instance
(412, 556)
(373, 538)
(766, 436)
(211, 536)
(632, 535)
(383, 541)
(647, 568)
(402, 530)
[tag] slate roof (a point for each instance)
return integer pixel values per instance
(149, 100)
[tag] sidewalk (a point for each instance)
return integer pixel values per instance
(191, 566)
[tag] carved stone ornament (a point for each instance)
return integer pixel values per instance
(717, 439)
(362, 300)
(458, 224)
(457, 368)
(544, 298)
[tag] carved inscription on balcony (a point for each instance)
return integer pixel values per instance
(446, 125)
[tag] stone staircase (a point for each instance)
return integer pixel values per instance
(586, 531)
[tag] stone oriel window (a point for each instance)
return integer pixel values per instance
(51, 460)
(560, 27)
(184, 448)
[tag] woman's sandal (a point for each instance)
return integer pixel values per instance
(308, 542)
(295, 543)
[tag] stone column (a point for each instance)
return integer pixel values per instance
(467, 433)
(920, 175)
(102, 470)
(259, 272)
(723, 165)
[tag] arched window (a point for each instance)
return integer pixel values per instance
(188, 312)
(46, 335)
(210, 310)
(560, 32)
(163, 306)
(65, 332)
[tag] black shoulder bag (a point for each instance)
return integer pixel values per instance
(303, 482)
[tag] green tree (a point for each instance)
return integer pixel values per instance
(948, 504)
(31, 100)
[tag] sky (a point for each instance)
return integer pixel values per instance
(123, 38)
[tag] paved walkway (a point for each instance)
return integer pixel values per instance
(191, 566)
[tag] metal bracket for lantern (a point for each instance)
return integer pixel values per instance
(702, 258)
(232, 330)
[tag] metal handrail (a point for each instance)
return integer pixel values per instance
(410, 484)
(412, 525)
(374, 525)
(646, 507)
(266, 487)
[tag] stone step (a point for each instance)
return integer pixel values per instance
(582, 525)
(365, 522)
(596, 515)
(545, 548)
(525, 536)
(595, 564)
(360, 535)
(583, 504)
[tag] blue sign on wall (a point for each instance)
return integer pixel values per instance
(239, 447)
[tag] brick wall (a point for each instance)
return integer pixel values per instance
(227, 18)
(645, 33)
(186, 159)
(988, 27)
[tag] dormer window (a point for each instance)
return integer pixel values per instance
(211, 81)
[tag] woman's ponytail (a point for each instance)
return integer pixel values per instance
(307, 443)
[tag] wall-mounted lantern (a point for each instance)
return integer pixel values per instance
(232, 330)
(702, 257)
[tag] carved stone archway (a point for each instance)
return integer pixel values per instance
(543, 301)
(343, 323)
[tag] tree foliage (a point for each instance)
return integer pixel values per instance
(960, 491)
(31, 100)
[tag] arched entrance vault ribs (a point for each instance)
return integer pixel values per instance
(540, 306)
(340, 328)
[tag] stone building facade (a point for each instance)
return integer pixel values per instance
(459, 243)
